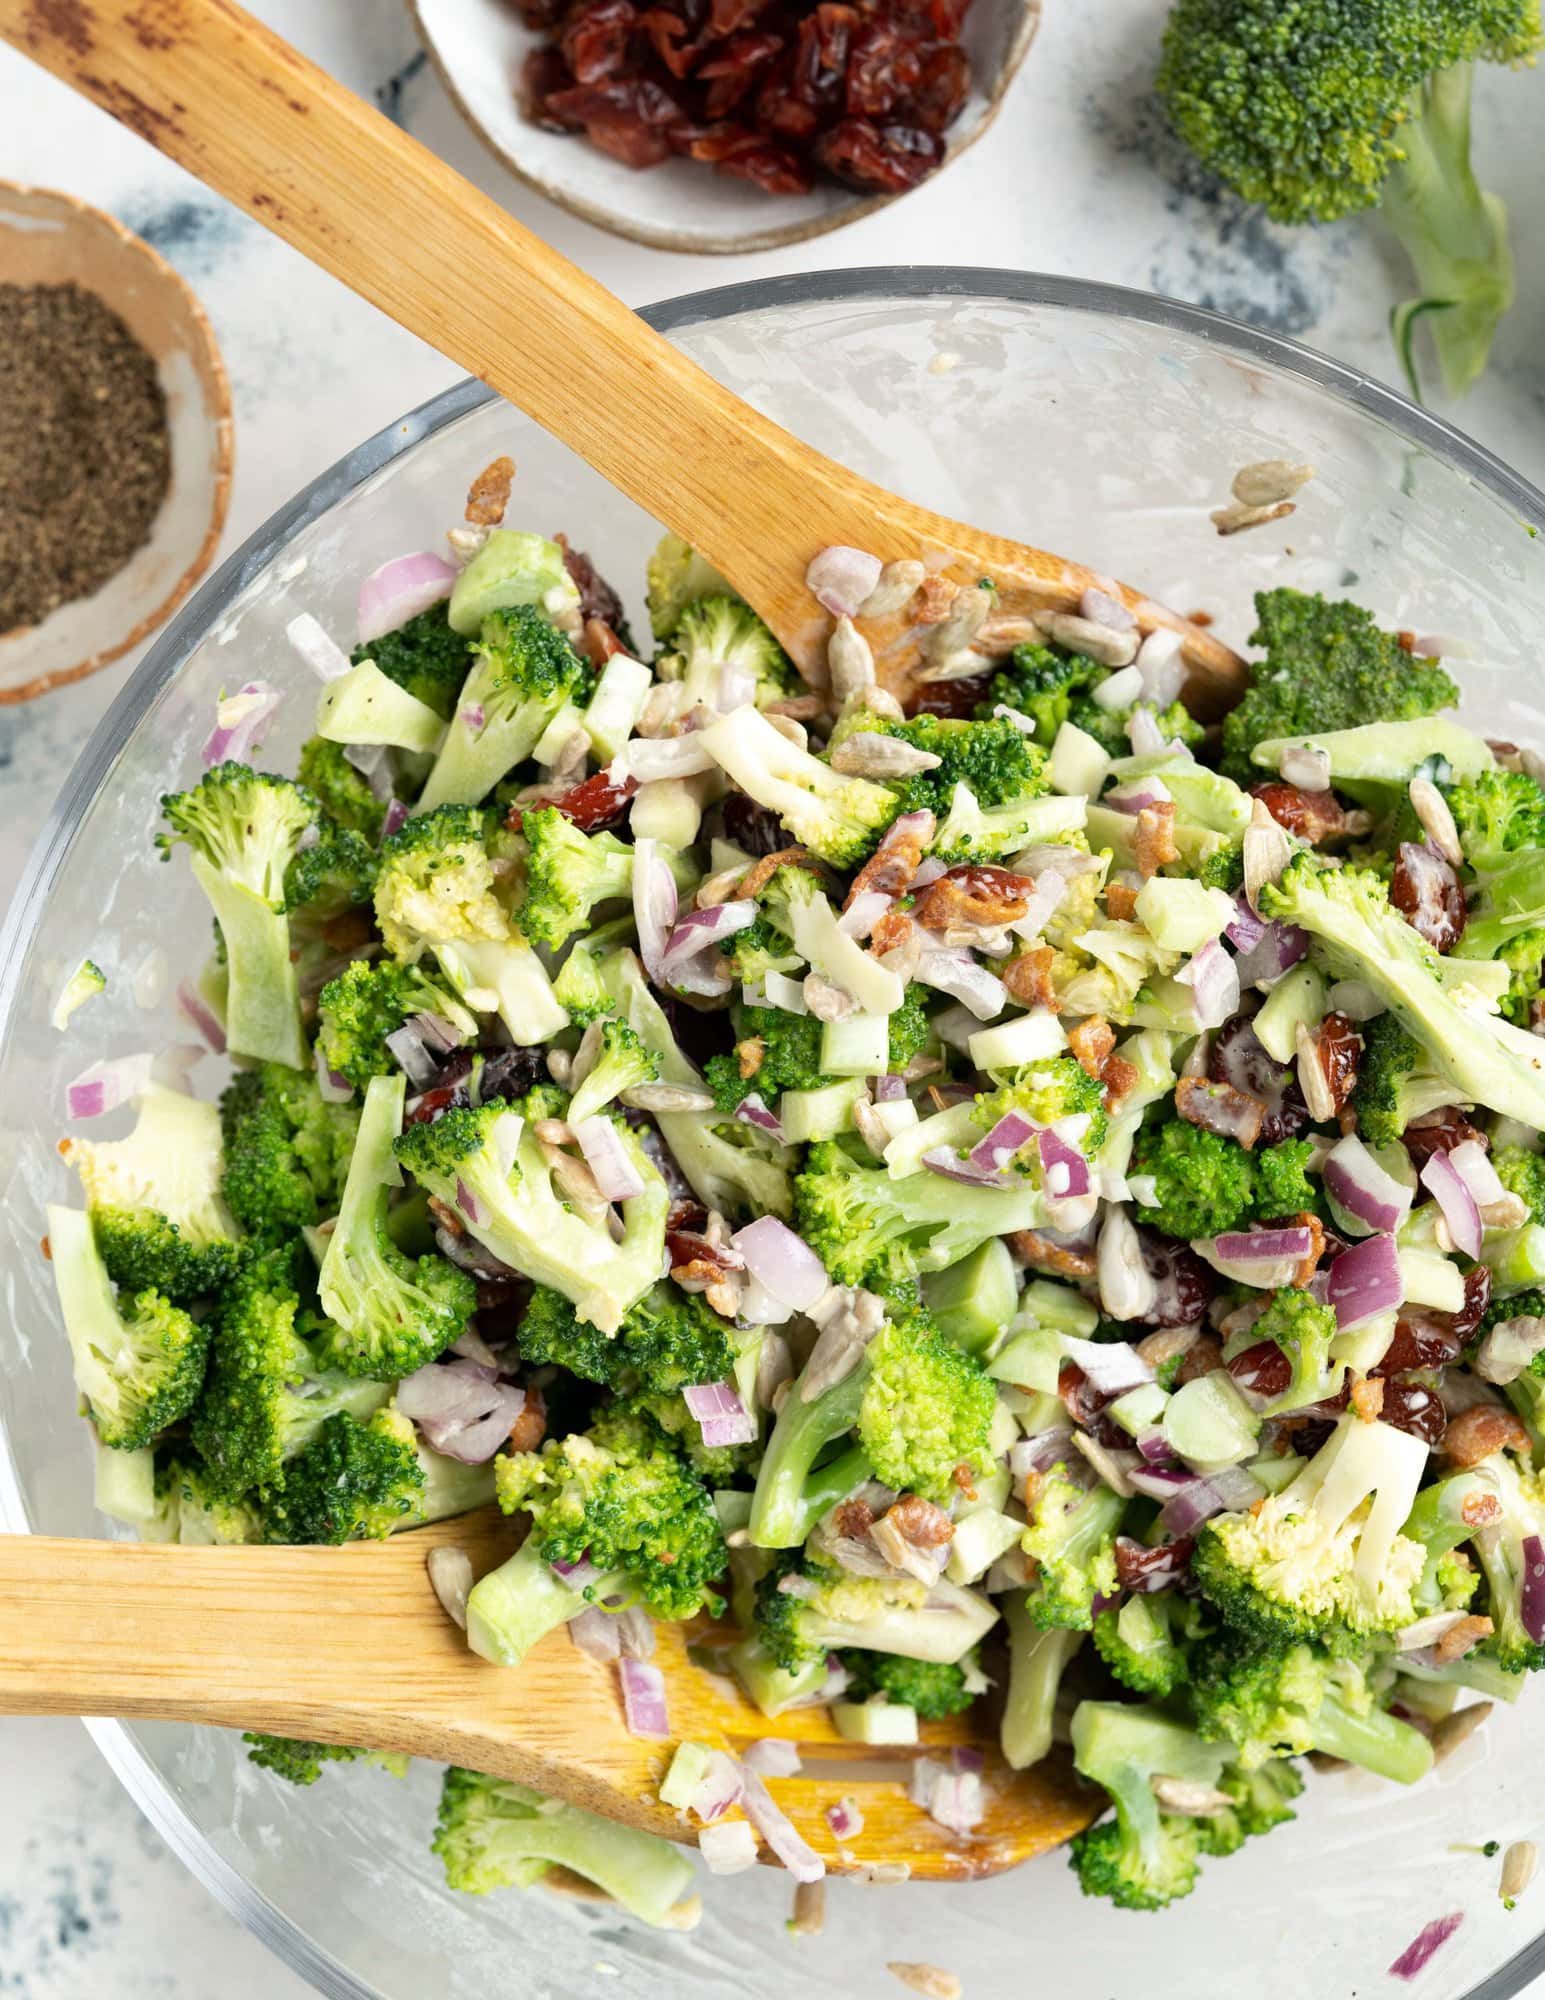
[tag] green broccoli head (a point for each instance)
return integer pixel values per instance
(424, 657)
(1043, 685)
(775, 1051)
(567, 873)
(1047, 1092)
(1497, 813)
(677, 576)
(622, 1063)
(1146, 1642)
(335, 874)
(1204, 1183)
(143, 1250)
(935, 1689)
(1507, 1548)
(352, 1481)
(1328, 666)
(170, 1166)
(668, 1341)
(436, 882)
(1070, 1533)
(370, 1000)
(997, 761)
(926, 1408)
(1524, 957)
(836, 817)
(1282, 1183)
(286, 1151)
(523, 673)
(805, 1609)
(296, 1761)
(1394, 1082)
(1303, 1329)
(721, 631)
(1260, 1799)
(1522, 1173)
(190, 1511)
(1143, 1858)
(579, 988)
(343, 793)
(622, 1498)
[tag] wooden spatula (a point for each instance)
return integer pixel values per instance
(351, 1645)
(219, 93)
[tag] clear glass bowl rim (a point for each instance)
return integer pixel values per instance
(877, 284)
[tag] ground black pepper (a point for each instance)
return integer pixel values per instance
(85, 455)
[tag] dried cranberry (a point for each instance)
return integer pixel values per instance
(886, 159)
(1440, 1132)
(884, 68)
(781, 114)
(821, 54)
(766, 165)
(732, 73)
(1312, 816)
(543, 75)
(1184, 1286)
(597, 599)
(1425, 889)
(1263, 1370)
(751, 826)
(1239, 1057)
(595, 39)
(728, 17)
(950, 699)
(1421, 1340)
(671, 39)
(1308, 1436)
(1141, 1568)
(942, 88)
(597, 801)
(686, 1212)
(1413, 1407)
(494, 1073)
(625, 117)
(1340, 1049)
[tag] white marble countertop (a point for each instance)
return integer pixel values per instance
(1076, 177)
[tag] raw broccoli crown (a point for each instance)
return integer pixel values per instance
(255, 1355)
(1070, 1535)
(1262, 1800)
(244, 823)
(344, 793)
(579, 989)
(353, 1480)
(1047, 1092)
(436, 881)
(1114, 1864)
(1265, 1697)
(152, 1374)
(370, 1000)
(760, 948)
(936, 1689)
(1390, 1056)
(1300, 107)
(868, 1229)
(621, 1496)
(143, 1250)
(622, 1063)
(1146, 1641)
(717, 1465)
(286, 1151)
(299, 1762)
(567, 873)
(994, 758)
(926, 1410)
(1283, 1186)
(1204, 1183)
(1522, 1173)
(1497, 813)
(189, 1509)
(531, 661)
(475, 1811)
(668, 1341)
(1042, 684)
(799, 1601)
(675, 575)
(1223, 869)
(1328, 666)
(717, 631)
(402, 1312)
(1524, 956)
(425, 657)
(336, 873)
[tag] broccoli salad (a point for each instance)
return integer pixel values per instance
(1034, 1202)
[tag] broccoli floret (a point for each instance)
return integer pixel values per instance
(621, 1497)
(264, 1397)
(1522, 1173)
(1304, 1330)
(1357, 934)
(578, 988)
(1145, 1857)
(567, 874)
(1047, 1092)
(334, 874)
(139, 1360)
(1261, 1799)
(353, 1480)
(774, 1051)
(668, 1341)
(190, 1511)
(805, 1610)
(344, 793)
(144, 1251)
(424, 657)
(165, 1175)
(1497, 813)
(971, 831)
(84, 983)
(920, 1407)
(242, 828)
(677, 576)
(286, 1151)
(1323, 1559)
(524, 672)
(1328, 666)
(370, 1000)
(1146, 1642)
(997, 761)
(1395, 1082)
(1524, 957)
(1282, 1183)
(1204, 1183)
(835, 817)
(485, 1162)
(1070, 1532)
(935, 1689)
(493, 1834)
(718, 631)
(387, 1314)
(1043, 684)
(1331, 109)
(622, 1063)
(868, 1229)
(296, 1761)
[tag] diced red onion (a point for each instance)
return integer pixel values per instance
(929, 870)
(1469, 1161)
(332, 1086)
(616, 1173)
(958, 974)
(240, 719)
(643, 1699)
(370, 760)
(193, 1008)
(400, 590)
(1112, 1366)
(1051, 888)
(1101, 608)
(468, 1203)
(1532, 1603)
(887, 1089)
(1247, 929)
(1213, 978)
(412, 1057)
(1460, 1209)
(1226, 1492)
(1258, 1256)
(1364, 1282)
(772, 1757)
(581, 1575)
(778, 1830)
(396, 818)
(1143, 731)
(1279, 948)
(1160, 1482)
(1160, 661)
(1064, 1170)
(721, 1416)
(595, 1632)
(1041, 1451)
(720, 1789)
(752, 1110)
(1354, 1178)
(1156, 1449)
(1424, 1944)
(637, 1631)
(471, 1346)
(106, 1085)
(654, 903)
(781, 1262)
(957, 1802)
(864, 912)
(687, 951)
(317, 648)
(945, 1161)
(841, 578)
(993, 1153)
(1137, 794)
(845, 1820)
(463, 1413)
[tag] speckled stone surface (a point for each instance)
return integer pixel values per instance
(1077, 177)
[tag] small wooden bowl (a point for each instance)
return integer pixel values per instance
(478, 46)
(47, 238)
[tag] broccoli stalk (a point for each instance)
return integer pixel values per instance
(243, 828)
(1038, 1658)
(523, 673)
(1070, 1533)
(388, 1313)
(805, 1611)
(835, 817)
(1145, 1857)
(514, 1606)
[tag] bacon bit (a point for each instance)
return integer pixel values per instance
(1202, 618)
(717, 1285)
(1368, 1398)
(1028, 977)
(1141, 1568)
(686, 1246)
(1092, 1041)
(1479, 1508)
(1057, 1260)
(1475, 1434)
(1200, 1358)
(981, 895)
(760, 873)
(1311, 1263)
(1458, 1639)
(923, 1524)
(1219, 1107)
(530, 1427)
(446, 1216)
(965, 1478)
(749, 1054)
(1406, 641)
(895, 861)
(600, 642)
(1153, 841)
(1120, 901)
(890, 933)
(854, 1519)
(1119, 1076)
(935, 595)
(1318, 817)
(489, 494)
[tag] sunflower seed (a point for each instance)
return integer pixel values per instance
(1312, 1080)
(1101, 643)
(1307, 766)
(450, 1572)
(826, 1001)
(560, 1066)
(932, 1981)
(850, 659)
(1517, 1869)
(1231, 519)
(1192, 1801)
(796, 732)
(554, 1131)
(1269, 480)
(667, 1097)
(809, 1918)
(1432, 809)
(1452, 1730)
(880, 701)
(897, 586)
(868, 754)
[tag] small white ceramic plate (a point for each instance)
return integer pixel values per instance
(478, 47)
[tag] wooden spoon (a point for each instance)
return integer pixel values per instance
(351, 1645)
(218, 92)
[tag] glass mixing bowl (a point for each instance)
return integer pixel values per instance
(1079, 417)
